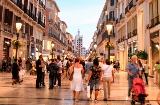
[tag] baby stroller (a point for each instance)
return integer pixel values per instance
(138, 91)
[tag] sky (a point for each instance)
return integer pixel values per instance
(82, 15)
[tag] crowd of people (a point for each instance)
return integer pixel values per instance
(95, 72)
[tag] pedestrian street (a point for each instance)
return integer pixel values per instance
(26, 93)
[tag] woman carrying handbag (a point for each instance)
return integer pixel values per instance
(76, 79)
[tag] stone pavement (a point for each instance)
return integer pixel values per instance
(26, 93)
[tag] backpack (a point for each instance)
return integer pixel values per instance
(53, 68)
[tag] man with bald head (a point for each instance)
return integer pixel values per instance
(133, 72)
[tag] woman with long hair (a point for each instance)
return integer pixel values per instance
(77, 82)
(140, 68)
(94, 78)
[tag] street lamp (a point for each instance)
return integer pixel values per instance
(52, 49)
(18, 27)
(109, 26)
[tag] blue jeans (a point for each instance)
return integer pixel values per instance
(52, 79)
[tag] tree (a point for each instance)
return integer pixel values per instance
(142, 55)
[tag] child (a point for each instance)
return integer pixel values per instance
(21, 74)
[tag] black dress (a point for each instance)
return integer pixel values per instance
(15, 71)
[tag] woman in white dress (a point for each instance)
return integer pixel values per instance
(77, 82)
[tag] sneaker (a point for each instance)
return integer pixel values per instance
(95, 100)
(58, 86)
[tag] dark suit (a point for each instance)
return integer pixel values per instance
(39, 73)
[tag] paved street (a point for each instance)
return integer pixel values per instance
(26, 93)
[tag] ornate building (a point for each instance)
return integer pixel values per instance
(32, 16)
(54, 40)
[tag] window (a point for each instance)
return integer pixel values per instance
(112, 2)
(50, 30)
(50, 15)
(50, 5)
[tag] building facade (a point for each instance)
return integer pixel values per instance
(83, 52)
(31, 14)
(78, 45)
(103, 36)
(138, 28)
(70, 46)
(55, 32)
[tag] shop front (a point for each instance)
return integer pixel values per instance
(6, 48)
(154, 49)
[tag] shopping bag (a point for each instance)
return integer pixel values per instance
(88, 91)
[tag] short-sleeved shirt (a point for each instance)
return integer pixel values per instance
(134, 69)
(59, 65)
(96, 70)
(107, 70)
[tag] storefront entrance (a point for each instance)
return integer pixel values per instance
(154, 49)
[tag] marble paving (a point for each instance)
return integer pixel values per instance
(26, 93)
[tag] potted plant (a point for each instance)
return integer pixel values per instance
(109, 45)
(17, 43)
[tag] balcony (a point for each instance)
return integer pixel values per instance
(51, 20)
(50, 34)
(134, 32)
(41, 23)
(118, 2)
(37, 41)
(127, 11)
(129, 35)
(132, 6)
(23, 36)
(112, 19)
(118, 41)
(32, 39)
(7, 28)
(25, 10)
(14, 31)
(139, 1)
(41, 4)
(40, 42)
(117, 21)
(122, 16)
(154, 21)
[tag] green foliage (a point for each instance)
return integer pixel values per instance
(142, 55)
(17, 43)
(109, 45)
(131, 54)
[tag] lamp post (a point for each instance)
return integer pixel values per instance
(63, 53)
(109, 29)
(18, 27)
(52, 49)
